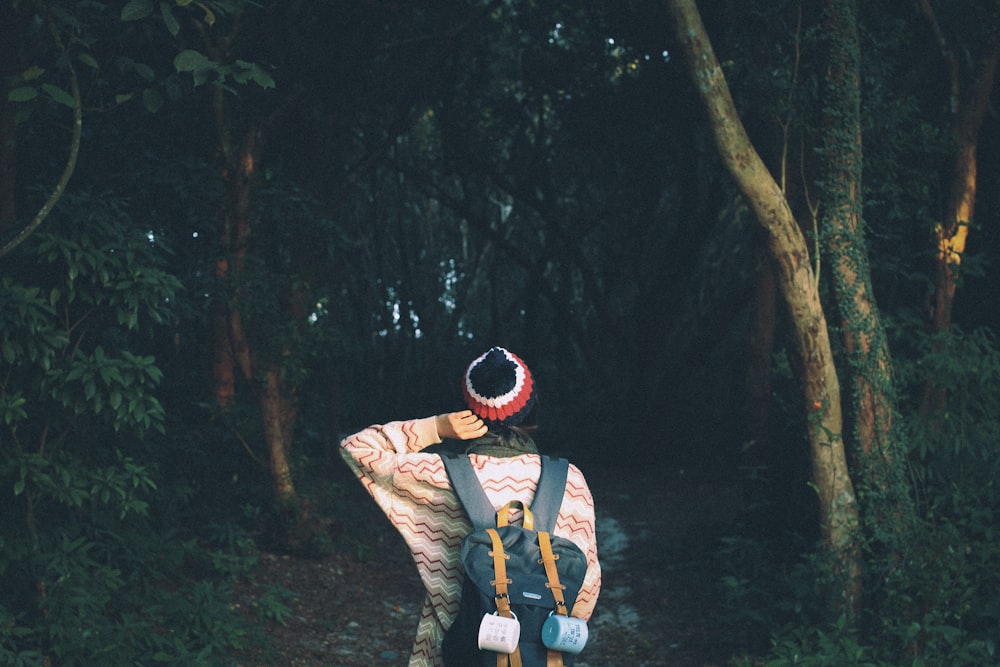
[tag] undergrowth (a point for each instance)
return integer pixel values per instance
(934, 599)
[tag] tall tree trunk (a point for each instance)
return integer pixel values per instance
(863, 333)
(796, 281)
(223, 363)
(951, 234)
(881, 468)
(278, 415)
(234, 348)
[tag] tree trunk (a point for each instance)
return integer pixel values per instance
(796, 281)
(233, 345)
(882, 467)
(863, 332)
(223, 364)
(278, 414)
(951, 234)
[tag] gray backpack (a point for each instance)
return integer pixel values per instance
(528, 588)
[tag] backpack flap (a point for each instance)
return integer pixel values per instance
(527, 588)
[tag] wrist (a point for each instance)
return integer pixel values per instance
(443, 427)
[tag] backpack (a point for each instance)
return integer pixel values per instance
(528, 588)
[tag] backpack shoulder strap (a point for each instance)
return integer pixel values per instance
(545, 505)
(469, 491)
(549, 494)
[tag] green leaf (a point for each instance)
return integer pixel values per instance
(88, 60)
(18, 487)
(110, 375)
(201, 75)
(144, 70)
(59, 95)
(9, 354)
(22, 94)
(253, 72)
(209, 14)
(152, 100)
(32, 73)
(137, 9)
(173, 27)
(262, 78)
(189, 60)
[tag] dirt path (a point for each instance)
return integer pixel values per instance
(658, 603)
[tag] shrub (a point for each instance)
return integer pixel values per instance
(936, 601)
(89, 574)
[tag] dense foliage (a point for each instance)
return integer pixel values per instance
(420, 181)
(89, 573)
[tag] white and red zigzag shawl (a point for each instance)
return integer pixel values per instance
(412, 488)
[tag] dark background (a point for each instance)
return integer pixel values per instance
(430, 179)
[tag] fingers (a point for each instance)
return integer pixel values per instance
(467, 425)
(463, 425)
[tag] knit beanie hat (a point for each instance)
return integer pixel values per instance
(499, 388)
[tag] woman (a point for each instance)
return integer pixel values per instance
(412, 487)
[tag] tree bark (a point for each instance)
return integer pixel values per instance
(881, 466)
(863, 333)
(278, 416)
(234, 347)
(796, 281)
(951, 234)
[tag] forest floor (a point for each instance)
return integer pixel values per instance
(658, 533)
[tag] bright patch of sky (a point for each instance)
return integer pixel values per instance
(400, 314)
(450, 275)
(319, 310)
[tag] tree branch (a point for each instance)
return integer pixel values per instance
(68, 169)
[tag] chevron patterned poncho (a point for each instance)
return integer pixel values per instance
(412, 488)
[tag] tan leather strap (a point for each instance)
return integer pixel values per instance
(502, 598)
(514, 659)
(500, 580)
(552, 658)
(503, 516)
(549, 561)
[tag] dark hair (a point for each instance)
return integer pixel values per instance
(505, 441)
(530, 422)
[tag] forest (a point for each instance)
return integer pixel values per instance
(750, 251)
